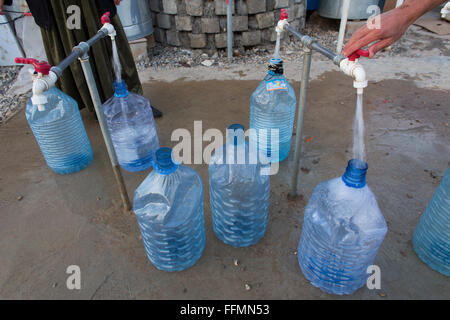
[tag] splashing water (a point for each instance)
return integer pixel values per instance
(116, 62)
(358, 131)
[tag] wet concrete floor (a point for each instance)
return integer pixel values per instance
(77, 220)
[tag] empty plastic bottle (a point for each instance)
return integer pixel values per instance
(342, 231)
(169, 209)
(431, 238)
(60, 132)
(132, 128)
(239, 187)
(272, 113)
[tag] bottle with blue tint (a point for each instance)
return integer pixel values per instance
(272, 113)
(343, 229)
(169, 209)
(239, 187)
(59, 131)
(431, 239)
(132, 127)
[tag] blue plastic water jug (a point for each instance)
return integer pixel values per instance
(342, 231)
(60, 132)
(132, 127)
(272, 113)
(239, 187)
(431, 239)
(169, 209)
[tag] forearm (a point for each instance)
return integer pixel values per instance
(414, 9)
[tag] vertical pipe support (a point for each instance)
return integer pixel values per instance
(344, 18)
(230, 29)
(307, 51)
(90, 80)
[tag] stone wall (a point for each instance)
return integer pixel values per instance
(202, 24)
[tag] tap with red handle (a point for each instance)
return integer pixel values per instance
(283, 21)
(357, 54)
(108, 28)
(353, 68)
(44, 80)
(106, 18)
(42, 67)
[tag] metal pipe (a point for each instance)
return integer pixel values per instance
(90, 80)
(230, 30)
(77, 51)
(312, 44)
(344, 17)
(100, 34)
(307, 57)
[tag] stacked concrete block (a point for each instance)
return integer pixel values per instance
(202, 24)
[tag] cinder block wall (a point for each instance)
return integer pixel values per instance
(202, 24)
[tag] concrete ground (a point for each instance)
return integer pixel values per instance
(49, 222)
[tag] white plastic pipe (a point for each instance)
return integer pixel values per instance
(344, 18)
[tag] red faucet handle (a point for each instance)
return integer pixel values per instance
(284, 15)
(39, 66)
(105, 18)
(357, 54)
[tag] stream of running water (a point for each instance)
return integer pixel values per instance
(359, 151)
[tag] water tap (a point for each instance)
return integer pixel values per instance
(353, 68)
(283, 21)
(43, 80)
(108, 28)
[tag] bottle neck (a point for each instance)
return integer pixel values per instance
(163, 162)
(120, 88)
(355, 174)
(276, 67)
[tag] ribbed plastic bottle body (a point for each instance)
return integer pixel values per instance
(431, 238)
(239, 195)
(169, 210)
(133, 130)
(60, 133)
(343, 229)
(272, 107)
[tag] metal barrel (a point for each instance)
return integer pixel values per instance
(358, 8)
(136, 18)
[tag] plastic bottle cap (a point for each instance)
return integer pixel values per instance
(355, 175)
(163, 162)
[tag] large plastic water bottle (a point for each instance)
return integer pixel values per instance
(272, 113)
(60, 132)
(169, 209)
(132, 128)
(342, 231)
(431, 239)
(239, 187)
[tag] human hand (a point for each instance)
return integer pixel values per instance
(393, 24)
(1, 5)
(116, 2)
